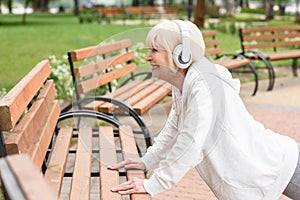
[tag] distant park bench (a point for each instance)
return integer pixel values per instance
(71, 156)
(151, 11)
(230, 61)
(271, 44)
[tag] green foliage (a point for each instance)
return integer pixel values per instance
(213, 11)
(253, 11)
(2, 92)
(23, 46)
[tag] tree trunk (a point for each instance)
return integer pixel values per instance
(297, 14)
(151, 2)
(9, 5)
(25, 13)
(200, 13)
(40, 5)
(135, 3)
(76, 7)
(190, 9)
(269, 9)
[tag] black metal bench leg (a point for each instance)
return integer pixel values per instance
(253, 69)
(294, 67)
(271, 76)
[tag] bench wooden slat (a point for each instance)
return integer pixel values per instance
(212, 52)
(9, 183)
(108, 107)
(123, 93)
(26, 130)
(17, 99)
(143, 94)
(80, 186)
(126, 96)
(108, 156)
(209, 33)
(231, 64)
(211, 43)
(283, 55)
(152, 99)
(93, 83)
(101, 65)
(270, 28)
(29, 178)
(128, 87)
(271, 36)
(57, 164)
(89, 52)
(129, 150)
(41, 142)
(271, 45)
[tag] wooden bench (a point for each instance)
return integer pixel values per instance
(72, 156)
(151, 11)
(110, 12)
(230, 61)
(102, 66)
(271, 44)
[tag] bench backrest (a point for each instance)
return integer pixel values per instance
(96, 66)
(211, 43)
(30, 133)
(110, 11)
(269, 38)
(21, 180)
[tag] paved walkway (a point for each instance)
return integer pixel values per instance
(278, 110)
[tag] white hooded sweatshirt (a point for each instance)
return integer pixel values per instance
(209, 128)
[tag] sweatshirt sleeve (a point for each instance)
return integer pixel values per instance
(186, 152)
(162, 143)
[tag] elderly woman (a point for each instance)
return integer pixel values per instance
(209, 128)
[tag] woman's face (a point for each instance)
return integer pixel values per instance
(159, 62)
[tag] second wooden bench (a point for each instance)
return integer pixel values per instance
(270, 44)
(230, 61)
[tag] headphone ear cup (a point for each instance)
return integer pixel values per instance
(177, 53)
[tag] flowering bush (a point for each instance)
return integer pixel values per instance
(62, 77)
(2, 92)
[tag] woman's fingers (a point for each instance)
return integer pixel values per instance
(123, 187)
(129, 187)
(118, 165)
(129, 164)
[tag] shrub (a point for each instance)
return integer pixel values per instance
(2, 92)
(62, 77)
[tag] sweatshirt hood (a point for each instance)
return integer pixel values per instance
(204, 67)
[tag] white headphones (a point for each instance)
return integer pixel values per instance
(181, 54)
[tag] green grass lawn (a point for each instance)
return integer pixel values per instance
(22, 46)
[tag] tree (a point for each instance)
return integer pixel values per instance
(76, 7)
(269, 9)
(135, 3)
(200, 13)
(297, 12)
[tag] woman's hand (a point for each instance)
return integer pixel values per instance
(133, 186)
(136, 185)
(129, 164)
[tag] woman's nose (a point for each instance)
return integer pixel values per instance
(148, 56)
